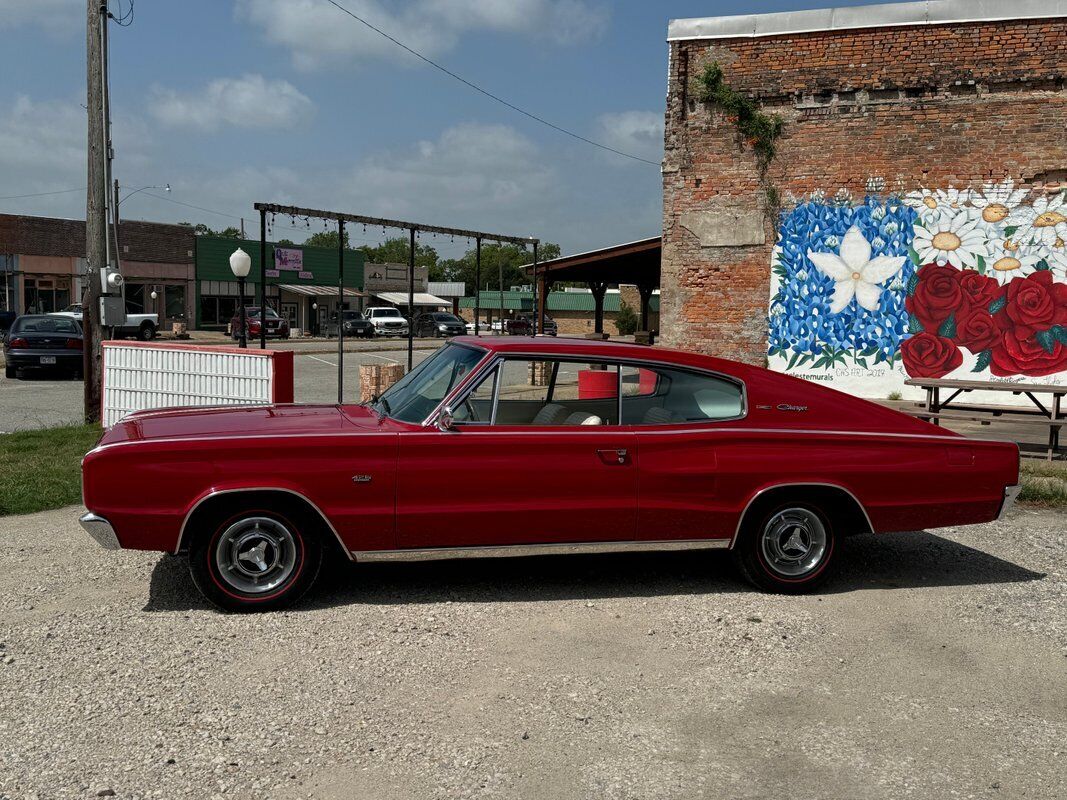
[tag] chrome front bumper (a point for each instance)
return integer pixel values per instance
(1010, 493)
(101, 531)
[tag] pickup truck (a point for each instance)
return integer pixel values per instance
(143, 326)
(387, 321)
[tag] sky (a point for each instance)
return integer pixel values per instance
(292, 101)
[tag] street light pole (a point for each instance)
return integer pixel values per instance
(240, 264)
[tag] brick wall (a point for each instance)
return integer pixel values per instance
(948, 105)
(141, 241)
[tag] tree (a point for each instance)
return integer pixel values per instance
(326, 239)
(285, 243)
(200, 229)
(496, 258)
(626, 320)
(397, 250)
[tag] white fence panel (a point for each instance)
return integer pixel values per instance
(141, 375)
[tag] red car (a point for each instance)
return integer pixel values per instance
(552, 446)
(277, 327)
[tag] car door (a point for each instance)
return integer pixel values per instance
(687, 462)
(517, 470)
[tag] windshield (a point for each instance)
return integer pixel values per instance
(385, 312)
(446, 318)
(76, 307)
(33, 324)
(353, 315)
(254, 312)
(413, 397)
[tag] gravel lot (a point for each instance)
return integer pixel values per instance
(935, 665)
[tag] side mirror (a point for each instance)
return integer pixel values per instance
(446, 420)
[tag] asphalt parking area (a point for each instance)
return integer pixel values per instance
(934, 665)
(45, 400)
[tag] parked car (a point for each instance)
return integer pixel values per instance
(6, 318)
(143, 326)
(632, 448)
(481, 326)
(524, 326)
(356, 325)
(387, 321)
(277, 327)
(439, 324)
(43, 342)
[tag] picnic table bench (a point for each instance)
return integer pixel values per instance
(1050, 416)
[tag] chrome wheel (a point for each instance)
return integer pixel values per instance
(793, 542)
(256, 554)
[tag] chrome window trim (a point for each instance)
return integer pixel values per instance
(466, 387)
(544, 549)
(216, 493)
(764, 490)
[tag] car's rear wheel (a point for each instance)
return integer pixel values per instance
(788, 548)
(147, 332)
(255, 560)
(10, 372)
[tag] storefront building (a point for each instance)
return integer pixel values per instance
(302, 283)
(43, 266)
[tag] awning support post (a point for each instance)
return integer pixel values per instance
(598, 289)
(477, 281)
(262, 279)
(411, 298)
(340, 311)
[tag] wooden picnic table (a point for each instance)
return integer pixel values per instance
(1053, 414)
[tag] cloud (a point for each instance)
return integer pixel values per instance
(472, 171)
(639, 133)
(250, 101)
(316, 33)
(59, 18)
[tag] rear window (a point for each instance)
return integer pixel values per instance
(385, 312)
(45, 325)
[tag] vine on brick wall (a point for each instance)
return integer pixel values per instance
(761, 131)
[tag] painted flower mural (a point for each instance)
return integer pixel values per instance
(938, 280)
(841, 273)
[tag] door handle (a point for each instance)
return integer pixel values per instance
(617, 456)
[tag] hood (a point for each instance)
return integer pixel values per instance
(180, 423)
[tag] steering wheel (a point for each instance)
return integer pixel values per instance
(472, 415)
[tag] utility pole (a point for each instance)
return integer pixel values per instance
(96, 233)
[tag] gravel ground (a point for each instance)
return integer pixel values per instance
(935, 665)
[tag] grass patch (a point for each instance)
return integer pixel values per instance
(1044, 483)
(41, 469)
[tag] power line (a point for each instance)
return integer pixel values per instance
(42, 194)
(487, 93)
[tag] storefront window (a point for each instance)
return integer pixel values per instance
(175, 301)
(135, 298)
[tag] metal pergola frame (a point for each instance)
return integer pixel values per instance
(412, 228)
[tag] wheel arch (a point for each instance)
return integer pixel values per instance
(209, 502)
(844, 509)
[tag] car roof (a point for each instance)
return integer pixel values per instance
(564, 346)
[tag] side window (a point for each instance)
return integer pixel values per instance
(546, 393)
(663, 396)
(478, 407)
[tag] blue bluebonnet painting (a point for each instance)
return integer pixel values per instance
(842, 272)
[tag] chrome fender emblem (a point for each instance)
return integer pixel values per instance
(362, 478)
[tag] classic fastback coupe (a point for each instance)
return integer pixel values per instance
(551, 446)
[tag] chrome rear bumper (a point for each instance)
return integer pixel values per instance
(101, 531)
(1010, 493)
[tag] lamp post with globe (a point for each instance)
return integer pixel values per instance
(240, 264)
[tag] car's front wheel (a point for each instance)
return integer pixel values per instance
(256, 560)
(789, 548)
